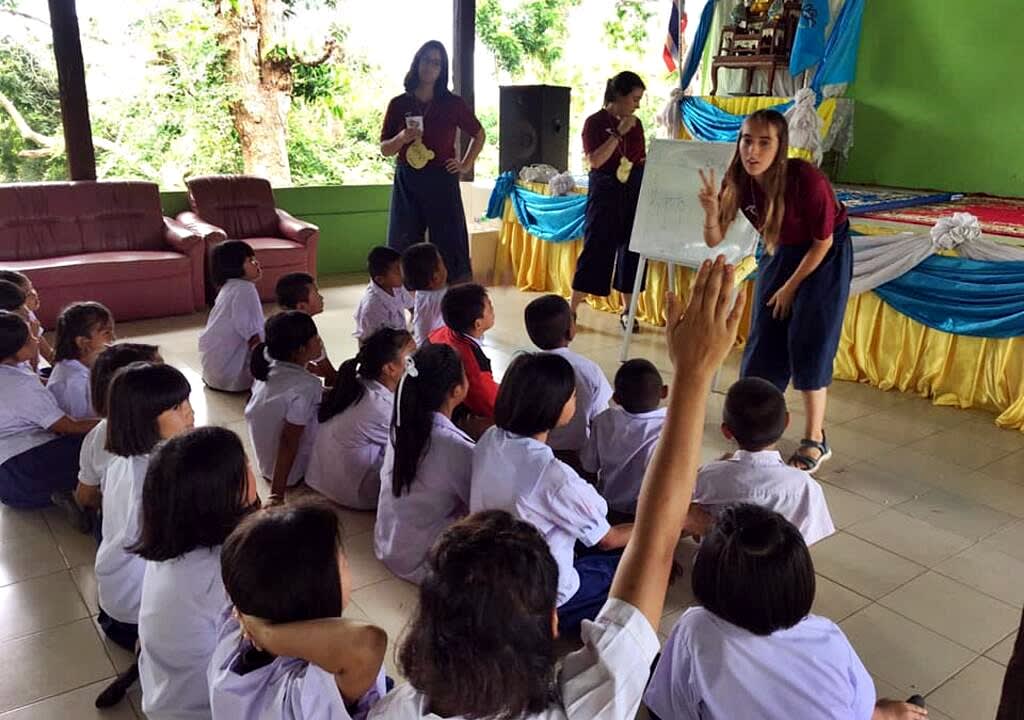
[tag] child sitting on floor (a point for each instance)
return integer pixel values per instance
(386, 301)
(424, 272)
(84, 330)
(235, 325)
(752, 649)
(299, 291)
(755, 417)
(622, 439)
(286, 651)
(551, 326)
(354, 421)
(32, 303)
(282, 412)
(468, 314)
(39, 443)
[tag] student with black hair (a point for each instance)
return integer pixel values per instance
(514, 469)
(386, 301)
(146, 403)
(282, 412)
(198, 487)
(755, 417)
(348, 451)
(84, 330)
(752, 648)
(424, 272)
(622, 439)
(235, 325)
(299, 291)
(286, 651)
(39, 443)
(427, 467)
(32, 303)
(468, 314)
(93, 458)
(551, 325)
(482, 642)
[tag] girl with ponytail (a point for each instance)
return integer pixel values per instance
(428, 463)
(354, 421)
(803, 280)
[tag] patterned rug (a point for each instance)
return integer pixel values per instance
(861, 200)
(998, 216)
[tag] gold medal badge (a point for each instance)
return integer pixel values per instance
(624, 169)
(418, 155)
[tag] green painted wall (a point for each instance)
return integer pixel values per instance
(352, 219)
(940, 96)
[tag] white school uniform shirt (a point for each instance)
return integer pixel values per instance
(224, 351)
(183, 601)
(378, 309)
(349, 449)
(93, 458)
(427, 317)
(407, 526)
(290, 393)
(119, 573)
(711, 669)
(285, 689)
(618, 450)
(69, 384)
(604, 680)
(593, 393)
(522, 476)
(26, 411)
(762, 478)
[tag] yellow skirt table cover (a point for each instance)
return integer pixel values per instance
(878, 346)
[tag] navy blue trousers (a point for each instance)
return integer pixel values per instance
(28, 479)
(429, 200)
(607, 226)
(596, 572)
(801, 347)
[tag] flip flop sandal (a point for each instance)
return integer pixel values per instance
(807, 463)
(624, 318)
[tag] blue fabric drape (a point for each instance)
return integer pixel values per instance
(696, 51)
(809, 43)
(839, 64)
(708, 122)
(550, 217)
(960, 296)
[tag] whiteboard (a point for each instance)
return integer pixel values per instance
(669, 222)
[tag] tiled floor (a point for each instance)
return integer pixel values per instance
(926, 575)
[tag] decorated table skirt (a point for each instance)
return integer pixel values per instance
(879, 345)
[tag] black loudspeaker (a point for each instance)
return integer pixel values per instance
(533, 126)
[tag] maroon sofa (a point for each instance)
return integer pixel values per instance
(103, 241)
(241, 207)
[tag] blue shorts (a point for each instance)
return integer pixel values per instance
(28, 479)
(801, 347)
(596, 573)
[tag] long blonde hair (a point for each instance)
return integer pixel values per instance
(774, 180)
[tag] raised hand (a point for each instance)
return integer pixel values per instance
(626, 124)
(708, 194)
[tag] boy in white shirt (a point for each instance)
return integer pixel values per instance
(425, 273)
(386, 301)
(622, 438)
(551, 325)
(755, 416)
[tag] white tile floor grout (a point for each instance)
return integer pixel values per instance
(908, 486)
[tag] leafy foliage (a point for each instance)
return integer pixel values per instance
(33, 89)
(531, 33)
(628, 28)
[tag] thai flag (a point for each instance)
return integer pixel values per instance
(676, 28)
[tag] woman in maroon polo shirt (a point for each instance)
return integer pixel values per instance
(803, 279)
(615, 147)
(419, 127)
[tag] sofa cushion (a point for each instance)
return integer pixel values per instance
(278, 252)
(240, 205)
(110, 267)
(46, 220)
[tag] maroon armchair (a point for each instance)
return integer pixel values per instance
(241, 207)
(103, 241)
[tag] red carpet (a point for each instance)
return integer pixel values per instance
(998, 216)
